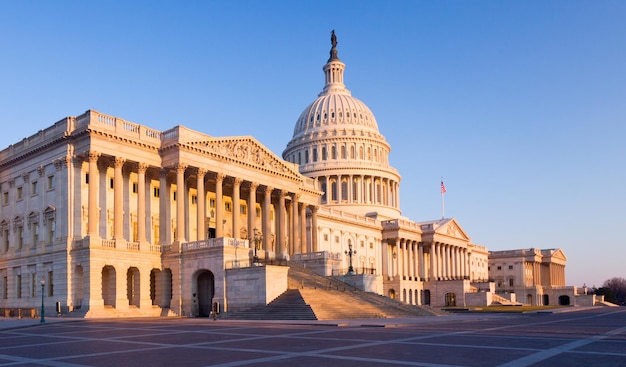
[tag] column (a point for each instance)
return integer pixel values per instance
(235, 210)
(180, 202)
(433, 263)
(92, 200)
(422, 266)
(302, 231)
(295, 227)
(314, 234)
(219, 205)
(267, 224)
(282, 224)
(200, 206)
(252, 210)
(339, 189)
(164, 211)
(118, 191)
(141, 202)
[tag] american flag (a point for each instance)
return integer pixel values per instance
(443, 188)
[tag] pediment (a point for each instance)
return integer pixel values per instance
(558, 254)
(247, 151)
(452, 229)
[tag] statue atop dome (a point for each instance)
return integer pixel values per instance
(333, 50)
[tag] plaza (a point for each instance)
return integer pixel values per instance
(574, 336)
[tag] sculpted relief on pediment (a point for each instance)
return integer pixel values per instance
(248, 151)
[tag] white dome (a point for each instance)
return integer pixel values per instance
(336, 142)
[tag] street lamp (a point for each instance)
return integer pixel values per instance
(349, 252)
(258, 237)
(43, 283)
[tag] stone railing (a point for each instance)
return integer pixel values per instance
(215, 242)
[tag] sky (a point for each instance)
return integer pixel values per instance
(520, 106)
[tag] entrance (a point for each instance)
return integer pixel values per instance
(450, 299)
(426, 297)
(546, 300)
(563, 300)
(205, 292)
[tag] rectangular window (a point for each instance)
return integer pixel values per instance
(258, 212)
(194, 199)
(362, 243)
(135, 187)
(20, 192)
(211, 203)
(111, 184)
(33, 285)
(50, 284)
(499, 268)
(325, 237)
(20, 239)
(510, 282)
(50, 182)
(87, 178)
(510, 267)
(34, 188)
(155, 192)
(228, 207)
(5, 240)
(35, 234)
(336, 239)
(5, 198)
(174, 196)
(51, 228)
(18, 286)
(242, 209)
(5, 287)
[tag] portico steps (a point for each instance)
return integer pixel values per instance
(314, 297)
(499, 300)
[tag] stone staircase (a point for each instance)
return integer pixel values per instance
(499, 300)
(313, 297)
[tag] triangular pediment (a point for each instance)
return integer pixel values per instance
(556, 254)
(248, 151)
(448, 227)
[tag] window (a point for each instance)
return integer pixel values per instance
(336, 239)
(371, 244)
(362, 243)
(314, 154)
(20, 239)
(35, 234)
(228, 206)
(211, 203)
(50, 182)
(20, 192)
(511, 282)
(87, 178)
(174, 195)
(5, 240)
(33, 285)
(156, 192)
(5, 287)
(499, 268)
(242, 209)
(18, 286)
(50, 284)
(258, 212)
(34, 188)
(325, 237)
(5, 198)
(194, 199)
(135, 187)
(111, 184)
(510, 267)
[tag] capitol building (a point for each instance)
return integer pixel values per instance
(104, 217)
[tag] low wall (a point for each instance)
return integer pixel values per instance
(256, 285)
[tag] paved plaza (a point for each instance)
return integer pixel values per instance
(586, 337)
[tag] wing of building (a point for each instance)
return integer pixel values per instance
(105, 217)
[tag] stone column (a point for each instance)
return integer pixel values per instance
(314, 230)
(236, 215)
(303, 236)
(92, 200)
(252, 210)
(282, 224)
(141, 202)
(295, 227)
(267, 222)
(118, 192)
(421, 263)
(201, 205)
(180, 202)
(219, 206)
(164, 222)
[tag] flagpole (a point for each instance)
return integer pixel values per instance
(443, 191)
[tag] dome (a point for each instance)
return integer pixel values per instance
(337, 143)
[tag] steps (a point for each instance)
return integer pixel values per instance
(314, 297)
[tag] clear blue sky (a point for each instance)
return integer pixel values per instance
(519, 105)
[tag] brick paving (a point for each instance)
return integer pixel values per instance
(587, 337)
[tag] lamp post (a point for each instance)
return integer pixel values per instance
(258, 237)
(349, 252)
(43, 283)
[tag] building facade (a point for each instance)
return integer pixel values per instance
(107, 217)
